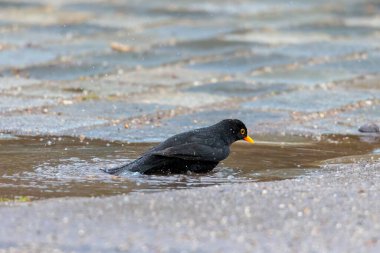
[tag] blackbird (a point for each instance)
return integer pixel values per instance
(198, 151)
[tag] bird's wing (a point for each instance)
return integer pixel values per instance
(194, 152)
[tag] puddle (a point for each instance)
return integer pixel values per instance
(45, 167)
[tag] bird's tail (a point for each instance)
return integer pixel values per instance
(117, 170)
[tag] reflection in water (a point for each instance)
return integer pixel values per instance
(44, 167)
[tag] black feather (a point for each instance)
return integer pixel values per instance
(198, 151)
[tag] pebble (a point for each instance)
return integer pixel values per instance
(369, 128)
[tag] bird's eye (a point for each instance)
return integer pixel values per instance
(242, 131)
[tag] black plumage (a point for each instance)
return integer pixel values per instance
(198, 151)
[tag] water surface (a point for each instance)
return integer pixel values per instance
(45, 167)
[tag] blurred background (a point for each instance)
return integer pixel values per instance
(144, 70)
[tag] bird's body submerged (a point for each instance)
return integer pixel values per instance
(161, 165)
(198, 151)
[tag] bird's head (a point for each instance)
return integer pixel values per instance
(235, 130)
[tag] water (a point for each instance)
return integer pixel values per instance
(46, 167)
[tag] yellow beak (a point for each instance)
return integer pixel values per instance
(249, 139)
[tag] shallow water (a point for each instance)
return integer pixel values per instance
(45, 167)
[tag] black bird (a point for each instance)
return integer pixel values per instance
(198, 151)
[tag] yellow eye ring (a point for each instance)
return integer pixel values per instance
(242, 131)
